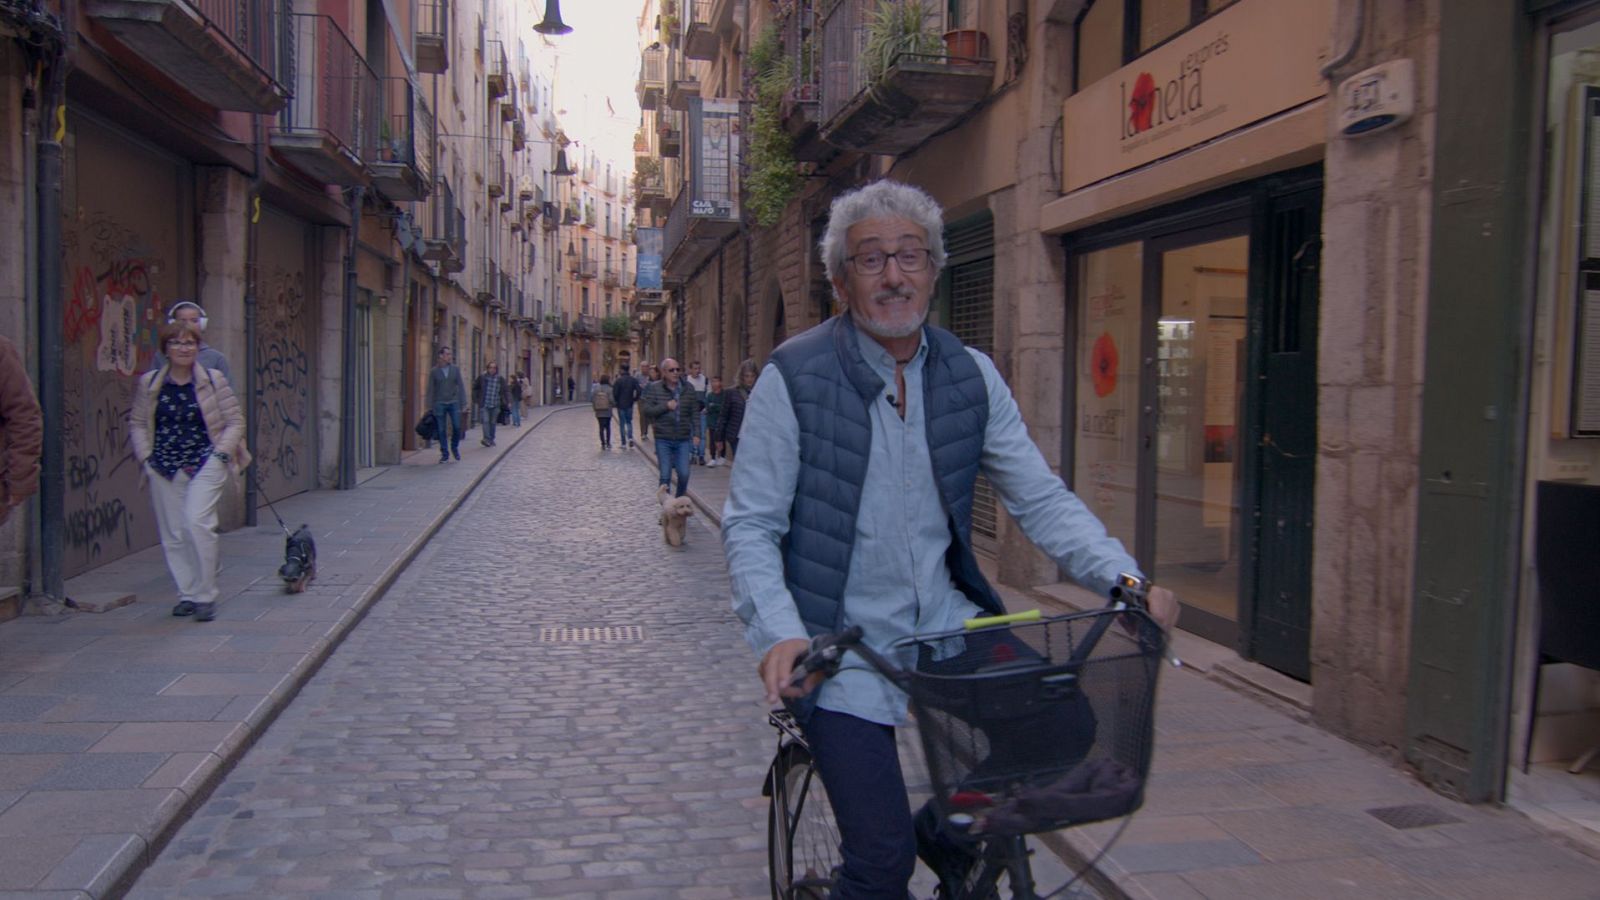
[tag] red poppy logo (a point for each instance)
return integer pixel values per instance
(1103, 365)
(1142, 106)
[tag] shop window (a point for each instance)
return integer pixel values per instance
(1105, 458)
(1113, 33)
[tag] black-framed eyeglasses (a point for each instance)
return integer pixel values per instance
(909, 259)
(672, 369)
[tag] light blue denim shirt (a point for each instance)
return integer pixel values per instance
(898, 583)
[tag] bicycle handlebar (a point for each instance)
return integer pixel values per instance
(827, 649)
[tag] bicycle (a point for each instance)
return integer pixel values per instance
(1027, 723)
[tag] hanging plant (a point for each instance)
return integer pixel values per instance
(773, 179)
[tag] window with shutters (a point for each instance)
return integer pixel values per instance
(969, 270)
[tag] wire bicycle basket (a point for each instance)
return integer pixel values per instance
(1036, 726)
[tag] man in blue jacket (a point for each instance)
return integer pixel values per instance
(851, 504)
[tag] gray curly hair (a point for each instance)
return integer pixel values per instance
(881, 200)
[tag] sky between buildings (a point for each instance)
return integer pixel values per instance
(597, 70)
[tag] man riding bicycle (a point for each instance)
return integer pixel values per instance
(852, 505)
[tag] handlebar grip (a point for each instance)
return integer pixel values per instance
(824, 653)
(1030, 615)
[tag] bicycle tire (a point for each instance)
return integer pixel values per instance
(802, 838)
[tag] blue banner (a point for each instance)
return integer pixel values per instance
(649, 242)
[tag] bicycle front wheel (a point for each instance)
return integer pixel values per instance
(802, 838)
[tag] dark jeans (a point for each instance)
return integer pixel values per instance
(861, 770)
(448, 418)
(605, 430)
(625, 424)
(672, 455)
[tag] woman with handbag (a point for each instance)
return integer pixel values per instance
(601, 398)
(187, 429)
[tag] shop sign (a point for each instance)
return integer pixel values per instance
(1252, 60)
(648, 263)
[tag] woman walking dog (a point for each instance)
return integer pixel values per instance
(187, 428)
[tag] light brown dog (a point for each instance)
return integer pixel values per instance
(675, 513)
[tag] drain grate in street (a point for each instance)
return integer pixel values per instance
(595, 634)
(1416, 815)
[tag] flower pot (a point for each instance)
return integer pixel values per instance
(965, 46)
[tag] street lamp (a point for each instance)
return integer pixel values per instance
(552, 23)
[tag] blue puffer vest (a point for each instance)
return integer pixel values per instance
(832, 388)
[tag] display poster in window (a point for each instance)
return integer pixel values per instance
(1106, 447)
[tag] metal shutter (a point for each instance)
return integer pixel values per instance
(969, 246)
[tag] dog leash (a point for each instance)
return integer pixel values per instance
(274, 511)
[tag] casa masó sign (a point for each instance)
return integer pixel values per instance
(1244, 64)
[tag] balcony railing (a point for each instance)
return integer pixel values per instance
(519, 135)
(801, 109)
(588, 267)
(329, 128)
(508, 103)
(652, 76)
(497, 74)
(403, 167)
(225, 52)
(495, 178)
(892, 104)
(669, 133)
(683, 82)
(610, 277)
(586, 324)
(433, 36)
(699, 38)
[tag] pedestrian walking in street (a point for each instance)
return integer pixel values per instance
(572, 389)
(187, 429)
(489, 397)
(21, 431)
(447, 397)
(733, 402)
(714, 422)
(514, 399)
(872, 525)
(602, 402)
(671, 407)
(210, 357)
(697, 381)
(625, 393)
(652, 374)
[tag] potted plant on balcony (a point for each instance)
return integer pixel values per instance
(964, 43)
(898, 28)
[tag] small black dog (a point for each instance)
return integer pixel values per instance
(299, 560)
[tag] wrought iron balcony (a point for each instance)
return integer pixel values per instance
(432, 42)
(610, 277)
(893, 104)
(682, 82)
(588, 267)
(652, 77)
(587, 325)
(519, 135)
(801, 109)
(495, 178)
(699, 39)
(669, 133)
(508, 103)
(550, 216)
(649, 302)
(498, 73)
(225, 52)
(403, 167)
(553, 326)
(329, 128)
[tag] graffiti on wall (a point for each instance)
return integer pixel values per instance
(283, 385)
(113, 309)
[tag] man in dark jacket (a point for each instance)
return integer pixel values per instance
(624, 394)
(672, 407)
(447, 397)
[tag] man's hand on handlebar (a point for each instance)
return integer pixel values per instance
(1163, 606)
(778, 665)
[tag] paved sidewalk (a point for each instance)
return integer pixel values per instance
(114, 726)
(1246, 800)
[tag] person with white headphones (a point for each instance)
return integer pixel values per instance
(210, 357)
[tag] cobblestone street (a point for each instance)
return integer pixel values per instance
(462, 742)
